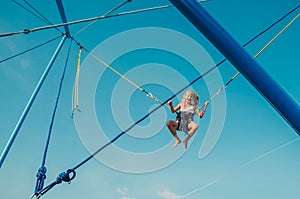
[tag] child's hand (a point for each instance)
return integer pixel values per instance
(206, 103)
(170, 103)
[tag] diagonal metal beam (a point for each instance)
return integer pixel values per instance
(241, 60)
(63, 15)
(30, 102)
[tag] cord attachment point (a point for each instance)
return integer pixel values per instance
(26, 31)
(66, 176)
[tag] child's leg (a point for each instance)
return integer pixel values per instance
(193, 128)
(172, 126)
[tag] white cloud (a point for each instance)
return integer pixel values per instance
(122, 190)
(169, 195)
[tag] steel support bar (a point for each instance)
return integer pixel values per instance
(30, 102)
(63, 15)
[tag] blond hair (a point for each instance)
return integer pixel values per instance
(195, 98)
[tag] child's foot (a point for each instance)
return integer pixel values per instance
(177, 142)
(185, 143)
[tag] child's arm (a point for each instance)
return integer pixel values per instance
(172, 108)
(201, 114)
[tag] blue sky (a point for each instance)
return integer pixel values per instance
(253, 152)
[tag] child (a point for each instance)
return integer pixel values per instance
(184, 121)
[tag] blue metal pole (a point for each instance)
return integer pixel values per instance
(63, 15)
(30, 102)
(241, 60)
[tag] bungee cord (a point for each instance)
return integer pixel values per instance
(76, 82)
(41, 175)
(121, 75)
(255, 56)
(75, 95)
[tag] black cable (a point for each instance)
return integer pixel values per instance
(30, 49)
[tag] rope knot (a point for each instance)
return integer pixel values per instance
(41, 173)
(41, 176)
(151, 95)
(66, 177)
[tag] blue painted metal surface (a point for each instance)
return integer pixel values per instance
(241, 60)
(63, 15)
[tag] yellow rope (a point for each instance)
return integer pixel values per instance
(276, 36)
(115, 71)
(150, 95)
(75, 94)
(262, 50)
